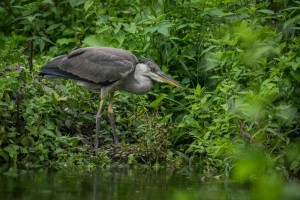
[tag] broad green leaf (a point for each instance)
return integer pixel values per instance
(3, 103)
(42, 45)
(291, 21)
(183, 155)
(12, 150)
(121, 38)
(204, 98)
(30, 18)
(4, 155)
(88, 4)
(277, 133)
(103, 29)
(53, 26)
(198, 90)
(48, 133)
(48, 1)
(181, 61)
(156, 102)
(191, 121)
(59, 98)
(215, 11)
(117, 27)
(131, 28)
(97, 41)
(47, 40)
(165, 119)
(163, 30)
(64, 41)
(295, 164)
(151, 29)
(75, 3)
(28, 141)
(266, 11)
(296, 74)
(207, 50)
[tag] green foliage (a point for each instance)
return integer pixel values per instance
(239, 61)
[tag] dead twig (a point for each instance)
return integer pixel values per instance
(244, 133)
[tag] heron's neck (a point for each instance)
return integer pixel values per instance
(140, 84)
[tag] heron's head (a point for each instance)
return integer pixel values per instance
(152, 70)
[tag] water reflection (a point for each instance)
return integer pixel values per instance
(115, 184)
(108, 184)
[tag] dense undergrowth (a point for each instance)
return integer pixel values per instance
(238, 115)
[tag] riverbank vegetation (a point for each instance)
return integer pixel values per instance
(238, 115)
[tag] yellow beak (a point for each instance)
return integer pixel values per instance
(164, 78)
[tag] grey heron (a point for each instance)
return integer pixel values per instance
(105, 70)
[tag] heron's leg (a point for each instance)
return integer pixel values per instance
(98, 120)
(111, 118)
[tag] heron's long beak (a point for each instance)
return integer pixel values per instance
(164, 78)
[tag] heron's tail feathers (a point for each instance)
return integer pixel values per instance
(52, 70)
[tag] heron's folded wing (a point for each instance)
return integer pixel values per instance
(99, 64)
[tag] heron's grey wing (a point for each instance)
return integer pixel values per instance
(99, 64)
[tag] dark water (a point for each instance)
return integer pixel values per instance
(113, 184)
(128, 185)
